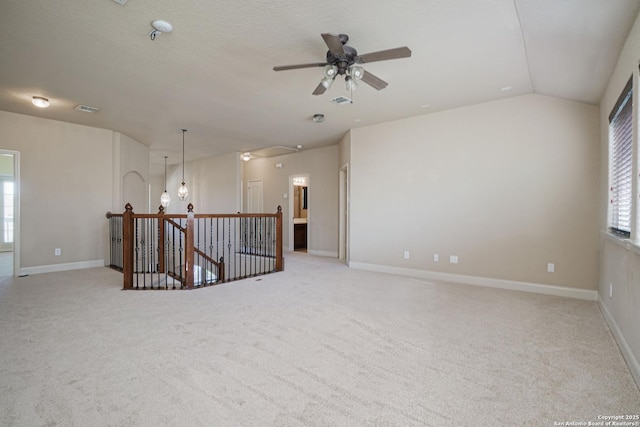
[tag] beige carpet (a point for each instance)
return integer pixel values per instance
(316, 345)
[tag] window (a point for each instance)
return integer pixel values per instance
(621, 153)
(7, 235)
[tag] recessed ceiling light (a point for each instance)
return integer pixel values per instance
(40, 101)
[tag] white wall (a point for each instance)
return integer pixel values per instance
(214, 185)
(66, 188)
(508, 186)
(132, 177)
(620, 259)
(321, 165)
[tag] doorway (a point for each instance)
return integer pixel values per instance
(254, 196)
(299, 206)
(343, 226)
(9, 207)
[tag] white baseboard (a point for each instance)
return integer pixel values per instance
(561, 291)
(632, 362)
(331, 254)
(61, 267)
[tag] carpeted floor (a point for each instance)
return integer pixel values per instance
(6, 264)
(316, 345)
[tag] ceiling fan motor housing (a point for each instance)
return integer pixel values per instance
(343, 62)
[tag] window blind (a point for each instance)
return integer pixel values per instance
(621, 146)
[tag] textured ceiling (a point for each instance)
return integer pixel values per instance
(213, 74)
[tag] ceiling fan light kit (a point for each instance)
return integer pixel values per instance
(343, 59)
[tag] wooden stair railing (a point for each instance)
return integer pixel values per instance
(143, 244)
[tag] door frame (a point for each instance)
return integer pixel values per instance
(16, 209)
(291, 208)
(250, 208)
(343, 223)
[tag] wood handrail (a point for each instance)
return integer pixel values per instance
(155, 264)
(175, 224)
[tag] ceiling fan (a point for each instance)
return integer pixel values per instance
(344, 60)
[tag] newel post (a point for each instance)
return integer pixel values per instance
(161, 239)
(279, 258)
(188, 248)
(127, 247)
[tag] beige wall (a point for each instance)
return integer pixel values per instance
(66, 188)
(6, 165)
(214, 185)
(321, 165)
(132, 179)
(620, 259)
(507, 186)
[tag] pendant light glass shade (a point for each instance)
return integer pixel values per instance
(183, 191)
(165, 198)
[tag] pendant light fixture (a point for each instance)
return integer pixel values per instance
(165, 198)
(183, 191)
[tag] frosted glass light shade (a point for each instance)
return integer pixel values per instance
(183, 192)
(330, 71)
(165, 199)
(327, 82)
(350, 83)
(40, 101)
(357, 72)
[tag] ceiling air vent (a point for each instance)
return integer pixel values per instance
(122, 2)
(341, 100)
(86, 108)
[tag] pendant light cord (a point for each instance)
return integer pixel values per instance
(183, 131)
(165, 174)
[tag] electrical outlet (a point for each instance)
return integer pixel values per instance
(406, 254)
(436, 258)
(551, 267)
(57, 252)
(453, 259)
(610, 290)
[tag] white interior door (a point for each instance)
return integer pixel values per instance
(254, 197)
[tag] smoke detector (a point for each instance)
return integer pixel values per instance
(159, 27)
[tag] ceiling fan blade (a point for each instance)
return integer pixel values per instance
(383, 55)
(333, 43)
(374, 81)
(295, 67)
(320, 89)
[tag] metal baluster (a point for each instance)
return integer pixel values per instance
(211, 248)
(136, 250)
(119, 245)
(145, 224)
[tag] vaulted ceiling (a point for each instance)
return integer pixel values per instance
(213, 74)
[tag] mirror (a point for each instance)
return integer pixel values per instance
(300, 201)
